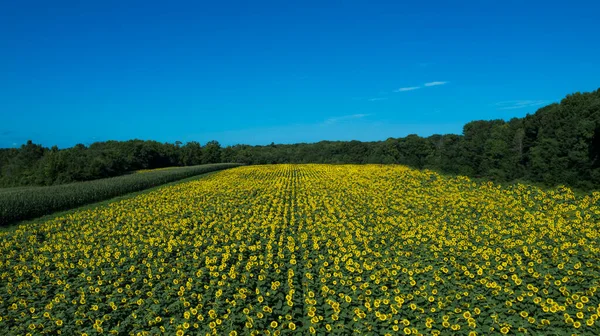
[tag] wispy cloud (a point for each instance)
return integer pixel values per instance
(435, 83)
(517, 104)
(344, 118)
(410, 88)
(377, 98)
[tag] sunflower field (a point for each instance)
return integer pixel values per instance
(311, 249)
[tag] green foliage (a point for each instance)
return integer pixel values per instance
(28, 202)
(211, 152)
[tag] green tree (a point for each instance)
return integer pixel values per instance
(211, 152)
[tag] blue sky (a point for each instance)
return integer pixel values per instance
(283, 71)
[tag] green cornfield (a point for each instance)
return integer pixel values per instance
(18, 204)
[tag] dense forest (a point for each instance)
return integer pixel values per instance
(558, 144)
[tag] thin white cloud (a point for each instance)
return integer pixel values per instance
(346, 117)
(410, 88)
(435, 83)
(428, 84)
(518, 104)
(377, 98)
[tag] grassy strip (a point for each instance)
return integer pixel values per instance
(95, 205)
(21, 204)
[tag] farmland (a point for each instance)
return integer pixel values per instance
(311, 249)
(29, 202)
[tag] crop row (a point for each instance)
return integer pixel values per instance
(24, 203)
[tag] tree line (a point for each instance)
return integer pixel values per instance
(558, 144)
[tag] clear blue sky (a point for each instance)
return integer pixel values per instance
(283, 71)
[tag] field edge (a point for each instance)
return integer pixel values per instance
(45, 218)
